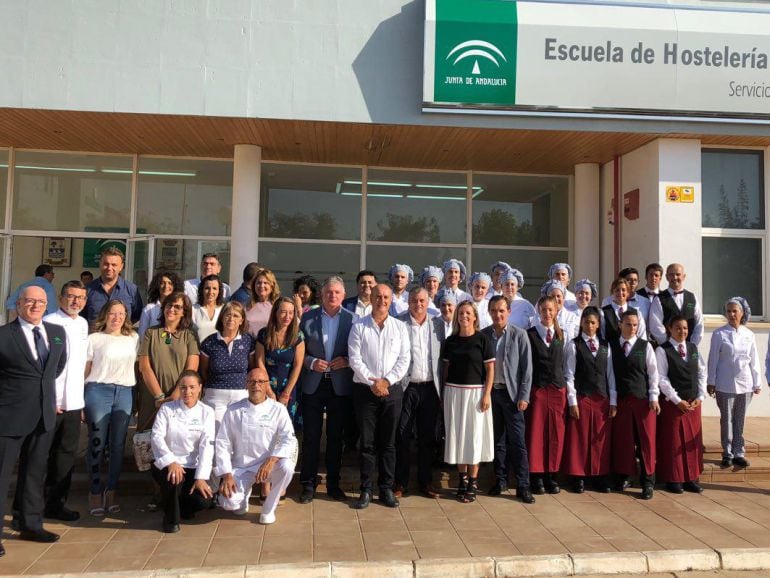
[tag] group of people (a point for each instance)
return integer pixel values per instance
(229, 379)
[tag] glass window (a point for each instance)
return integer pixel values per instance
(733, 267)
(533, 264)
(417, 207)
(3, 185)
(380, 258)
(290, 260)
(520, 210)
(733, 196)
(69, 192)
(184, 196)
(310, 202)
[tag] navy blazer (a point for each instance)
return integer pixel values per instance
(350, 303)
(312, 328)
(27, 391)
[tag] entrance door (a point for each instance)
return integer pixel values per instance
(140, 252)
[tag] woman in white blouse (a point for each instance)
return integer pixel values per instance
(206, 311)
(183, 446)
(163, 284)
(110, 379)
(733, 377)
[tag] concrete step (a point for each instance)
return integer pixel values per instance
(756, 435)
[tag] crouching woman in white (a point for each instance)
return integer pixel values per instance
(255, 444)
(183, 446)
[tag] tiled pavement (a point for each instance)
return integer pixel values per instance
(726, 515)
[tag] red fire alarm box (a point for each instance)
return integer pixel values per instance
(631, 205)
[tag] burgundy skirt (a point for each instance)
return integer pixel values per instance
(680, 444)
(634, 417)
(587, 443)
(545, 428)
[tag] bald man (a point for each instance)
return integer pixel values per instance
(32, 354)
(676, 300)
(255, 444)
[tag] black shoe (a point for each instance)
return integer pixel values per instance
(388, 499)
(498, 489)
(693, 487)
(552, 487)
(363, 501)
(578, 486)
(537, 485)
(725, 463)
(2, 550)
(525, 495)
(674, 488)
(335, 493)
(40, 535)
(170, 528)
(65, 515)
(600, 485)
(622, 486)
(741, 462)
(647, 492)
(307, 495)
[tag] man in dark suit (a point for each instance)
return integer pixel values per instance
(327, 383)
(32, 355)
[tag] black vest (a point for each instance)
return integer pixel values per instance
(670, 309)
(631, 371)
(590, 371)
(683, 373)
(643, 293)
(547, 362)
(612, 323)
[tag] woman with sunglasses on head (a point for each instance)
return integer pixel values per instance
(163, 283)
(209, 306)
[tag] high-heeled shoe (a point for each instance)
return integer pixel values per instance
(109, 502)
(96, 505)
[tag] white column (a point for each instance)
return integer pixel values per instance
(586, 260)
(247, 170)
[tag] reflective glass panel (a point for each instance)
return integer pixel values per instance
(533, 264)
(733, 183)
(184, 196)
(70, 192)
(3, 185)
(380, 258)
(291, 260)
(418, 207)
(310, 202)
(520, 210)
(732, 267)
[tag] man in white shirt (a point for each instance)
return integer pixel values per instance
(69, 401)
(210, 265)
(378, 352)
(676, 300)
(255, 444)
(360, 305)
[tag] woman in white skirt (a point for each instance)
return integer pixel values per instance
(469, 359)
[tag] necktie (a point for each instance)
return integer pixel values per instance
(682, 352)
(626, 348)
(548, 336)
(592, 345)
(620, 311)
(42, 348)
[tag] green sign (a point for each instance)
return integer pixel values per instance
(475, 54)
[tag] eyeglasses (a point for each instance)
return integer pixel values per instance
(175, 307)
(256, 381)
(75, 297)
(33, 302)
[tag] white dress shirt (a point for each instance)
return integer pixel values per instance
(251, 433)
(399, 304)
(201, 322)
(26, 329)
(666, 388)
(376, 353)
(184, 435)
(570, 362)
(71, 381)
(733, 364)
(419, 339)
(641, 330)
(447, 328)
(653, 379)
(569, 323)
(542, 331)
(362, 310)
(191, 290)
(150, 316)
(658, 330)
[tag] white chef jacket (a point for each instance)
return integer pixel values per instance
(570, 361)
(523, 314)
(485, 319)
(184, 435)
(733, 364)
(399, 304)
(666, 388)
(71, 381)
(375, 353)
(251, 433)
(569, 323)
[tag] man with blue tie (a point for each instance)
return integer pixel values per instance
(327, 384)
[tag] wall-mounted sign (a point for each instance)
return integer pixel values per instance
(547, 56)
(680, 194)
(57, 251)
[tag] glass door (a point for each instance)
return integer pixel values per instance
(140, 262)
(5, 267)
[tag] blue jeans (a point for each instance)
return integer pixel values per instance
(108, 411)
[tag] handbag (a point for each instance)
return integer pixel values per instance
(142, 441)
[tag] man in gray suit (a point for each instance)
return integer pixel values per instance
(422, 395)
(327, 385)
(510, 397)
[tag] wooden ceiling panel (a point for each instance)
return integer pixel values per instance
(449, 148)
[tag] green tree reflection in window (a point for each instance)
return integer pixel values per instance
(499, 227)
(408, 228)
(301, 226)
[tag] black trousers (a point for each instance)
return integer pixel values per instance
(337, 409)
(177, 501)
(32, 452)
(377, 419)
(510, 445)
(61, 459)
(419, 413)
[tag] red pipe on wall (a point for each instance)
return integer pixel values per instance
(618, 214)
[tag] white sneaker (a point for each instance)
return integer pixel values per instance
(266, 519)
(243, 510)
